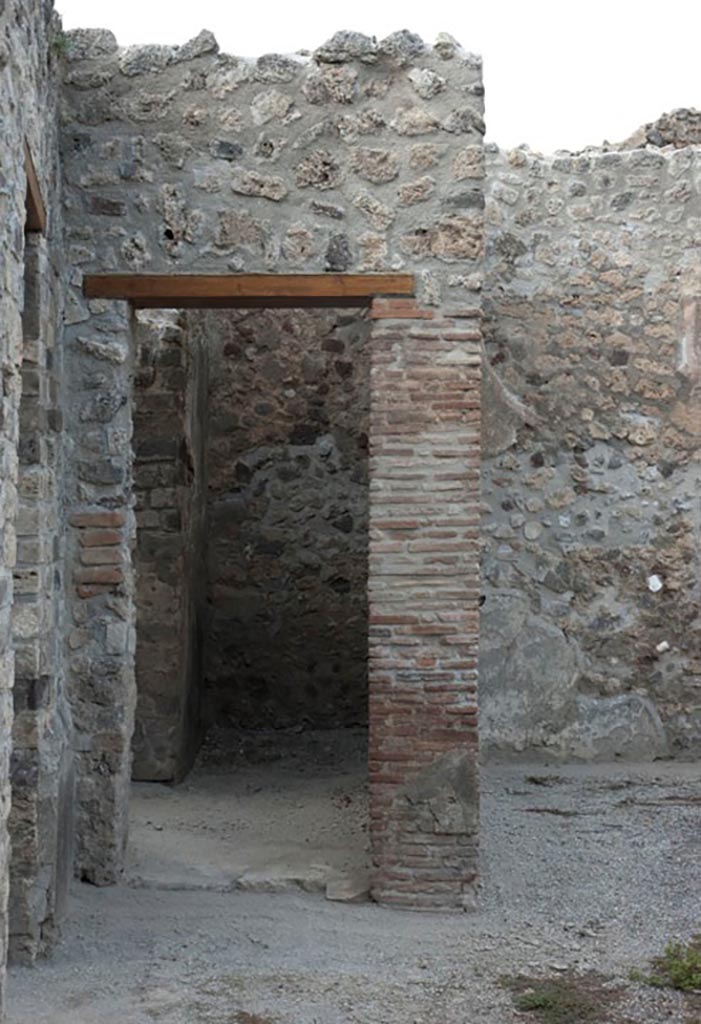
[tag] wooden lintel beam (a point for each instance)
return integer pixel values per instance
(35, 210)
(241, 291)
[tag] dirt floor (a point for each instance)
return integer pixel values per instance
(276, 811)
(587, 872)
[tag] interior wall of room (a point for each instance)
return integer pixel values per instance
(251, 485)
(170, 424)
(287, 517)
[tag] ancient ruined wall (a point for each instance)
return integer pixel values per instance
(365, 157)
(36, 758)
(169, 486)
(590, 629)
(42, 755)
(287, 457)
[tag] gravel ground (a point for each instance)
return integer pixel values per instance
(585, 868)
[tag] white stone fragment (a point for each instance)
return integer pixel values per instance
(460, 356)
(353, 887)
(532, 530)
(662, 647)
(654, 584)
(426, 82)
(109, 351)
(268, 105)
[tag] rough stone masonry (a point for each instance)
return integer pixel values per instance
(366, 157)
(272, 518)
(591, 638)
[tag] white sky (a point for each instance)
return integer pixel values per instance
(558, 73)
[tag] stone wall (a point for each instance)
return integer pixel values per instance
(98, 481)
(590, 629)
(169, 484)
(287, 527)
(36, 748)
(363, 157)
(42, 756)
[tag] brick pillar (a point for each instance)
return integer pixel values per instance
(424, 590)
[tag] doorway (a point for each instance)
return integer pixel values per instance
(250, 439)
(422, 565)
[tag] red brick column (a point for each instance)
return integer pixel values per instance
(424, 592)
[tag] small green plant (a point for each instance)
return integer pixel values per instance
(61, 44)
(567, 999)
(678, 967)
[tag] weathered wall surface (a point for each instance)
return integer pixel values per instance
(42, 755)
(678, 128)
(100, 592)
(287, 528)
(169, 485)
(37, 758)
(591, 637)
(365, 157)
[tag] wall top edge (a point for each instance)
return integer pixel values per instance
(400, 48)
